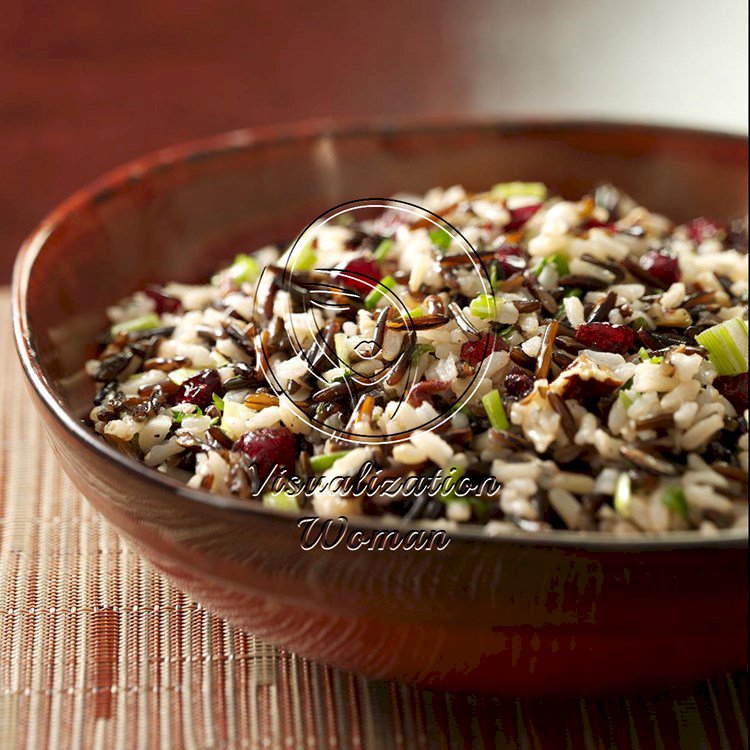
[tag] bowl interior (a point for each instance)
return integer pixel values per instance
(177, 214)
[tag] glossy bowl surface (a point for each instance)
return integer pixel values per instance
(524, 615)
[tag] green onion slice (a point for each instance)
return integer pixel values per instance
(493, 405)
(727, 346)
(280, 501)
(623, 494)
(645, 357)
(372, 299)
(674, 498)
(342, 349)
(243, 269)
(320, 463)
(558, 260)
(441, 239)
(382, 250)
(450, 477)
(505, 190)
(304, 260)
(144, 323)
(493, 276)
(484, 306)
(178, 415)
(419, 350)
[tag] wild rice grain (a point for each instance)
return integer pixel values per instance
(566, 418)
(545, 353)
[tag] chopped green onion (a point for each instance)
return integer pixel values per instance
(574, 293)
(419, 350)
(505, 190)
(484, 306)
(341, 347)
(674, 498)
(493, 277)
(645, 357)
(144, 323)
(625, 400)
(280, 501)
(493, 405)
(382, 250)
(321, 463)
(727, 346)
(372, 299)
(335, 374)
(304, 260)
(506, 331)
(218, 401)
(556, 259)
(539, 267)
(178, 415)
(441, 239)
(450, 477)
(642, 322)
(623, 494)
(417, 312)
(243, 269)
(179, 376)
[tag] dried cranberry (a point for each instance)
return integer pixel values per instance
(701, 229)
(606, 337)
(424, 391)
(268, 448)
(165, 303)
(474, 352)
(511, 259)
(662, 266)
(199, 389)
(518, 383)
(734, 390)
(596, 224)
(519, 216)
(362, 274)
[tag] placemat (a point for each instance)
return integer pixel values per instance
(98, 651)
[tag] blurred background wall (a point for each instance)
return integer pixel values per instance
(85, 86)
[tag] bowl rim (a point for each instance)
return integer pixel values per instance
(311, 130)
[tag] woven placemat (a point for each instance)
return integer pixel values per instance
(98, 651)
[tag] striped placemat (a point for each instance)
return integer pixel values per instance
(98, 651)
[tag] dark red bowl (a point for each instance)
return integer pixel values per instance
(572, 613)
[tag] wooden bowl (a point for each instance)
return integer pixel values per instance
(554, 613)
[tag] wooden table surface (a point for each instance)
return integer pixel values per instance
(85, 87)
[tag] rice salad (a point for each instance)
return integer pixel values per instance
(609, 363)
